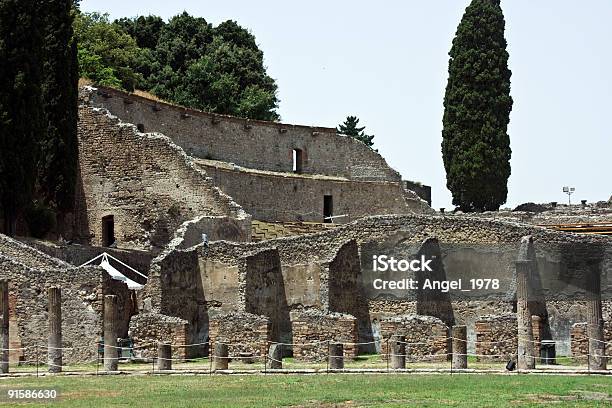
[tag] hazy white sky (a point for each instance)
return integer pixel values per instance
(387, 61)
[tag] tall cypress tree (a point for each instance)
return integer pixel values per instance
(59, 146)
(475, 143)
(21, 115)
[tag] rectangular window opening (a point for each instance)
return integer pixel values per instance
(297, 160)
(108, 230)
(328, 209)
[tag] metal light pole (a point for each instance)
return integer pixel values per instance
(569, 191)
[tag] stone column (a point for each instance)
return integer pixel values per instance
(4, 327)
(336, 356)
(221, 356)
(111, 353)
(398, 351)
(595, 332)
(275, 356)
(459, 347)
(526, 360)
(54, 349)
(164, 356)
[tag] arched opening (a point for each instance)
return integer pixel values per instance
(140, 127)
(297, 160)
(108, 230)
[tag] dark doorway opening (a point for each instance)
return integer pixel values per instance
(328, 208)
(108, 230)
(140, 127)
(297, 160)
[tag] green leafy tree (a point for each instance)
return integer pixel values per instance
(475, 144)
(190, 62)
(145, 30)
(58, 163)
(351, 128)
(107, 54)
(21, 113)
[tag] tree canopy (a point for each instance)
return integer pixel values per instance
(21, 113)
(475, 143)
(185, 60)
(351, 128)
(58, 162)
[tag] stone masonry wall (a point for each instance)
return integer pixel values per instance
(82, 308)
(245, 333)
(426, 337)
(272, 196)
(313, 330)
(249, 143)
(496, 337)
(261, 284)
(304, 264)
(77, 255)
(580, 340)
(145, 181)
(148, 329)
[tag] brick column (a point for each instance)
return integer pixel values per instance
(54, 351)
(111, 353)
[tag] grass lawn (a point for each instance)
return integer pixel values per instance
(331, 390)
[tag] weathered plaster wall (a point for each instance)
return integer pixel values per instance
(264, 290)
(145, 181)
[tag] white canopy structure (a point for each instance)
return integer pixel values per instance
(113, 272)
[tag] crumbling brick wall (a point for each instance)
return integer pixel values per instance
(144, 181)
(496, 337)
(148, 329)
(580, 340)
(243, 332)
(426, 337)
(83, 290)
(313, 330)
(485, 246)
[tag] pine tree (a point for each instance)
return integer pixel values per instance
(59, 146)
(351, 128)
(475, 144)
(21, 115)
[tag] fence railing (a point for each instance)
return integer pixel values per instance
(219, 363)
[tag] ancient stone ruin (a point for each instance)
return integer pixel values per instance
(254, 234)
